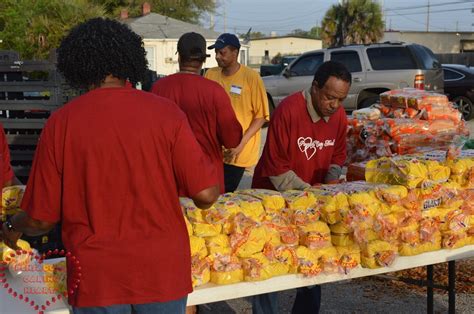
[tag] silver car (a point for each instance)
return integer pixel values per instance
(375, 68)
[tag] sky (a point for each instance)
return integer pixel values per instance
(283, 16)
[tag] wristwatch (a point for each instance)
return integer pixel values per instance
(9, 225)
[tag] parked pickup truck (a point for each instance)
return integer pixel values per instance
(275, 69)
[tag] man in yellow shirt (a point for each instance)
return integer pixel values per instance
(250, 103)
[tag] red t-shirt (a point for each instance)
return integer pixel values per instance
(6, 172)
(109, 165)
(209, 111)
(295, 143)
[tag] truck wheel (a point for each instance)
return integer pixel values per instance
(465, 106)
(368, 102)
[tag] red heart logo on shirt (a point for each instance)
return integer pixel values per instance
(29, 286)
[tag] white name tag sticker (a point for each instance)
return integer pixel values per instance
(234, 89)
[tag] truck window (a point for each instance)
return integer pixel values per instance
(307, 65)
(391, 58)
(426, 56)
(349, 58)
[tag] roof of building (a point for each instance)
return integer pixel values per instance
(157, 26)
(285, 36)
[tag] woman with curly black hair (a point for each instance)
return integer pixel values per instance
(109, 165)
(99, 48)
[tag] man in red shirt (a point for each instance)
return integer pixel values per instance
(7, 177)
(109, 165)
(205, 102)
(306, 145)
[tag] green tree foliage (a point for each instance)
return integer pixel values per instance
(314, 32)
(184, 10)
(33, 28)
(252, 35)
(353, 22)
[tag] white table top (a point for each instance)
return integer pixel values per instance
(212, 293)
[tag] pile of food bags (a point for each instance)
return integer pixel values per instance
(257, 234)
(406, 121)
(443, 186)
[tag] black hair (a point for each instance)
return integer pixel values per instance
(100, 47)
(331, 68)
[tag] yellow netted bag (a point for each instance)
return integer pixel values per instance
(272, 201)
(198, 246)
(250, 206)
(200, 271)
(206, 229)
(308, 261)
(349, 257)
(406, 249)
(226, 270)
(455, 240)
(6, 252)
(296, 199)
(248, 238)
(258, 267)
(341, 234)
(315, 235)
(11, 199)
(378, 254)
(330, 259)
(284, 254)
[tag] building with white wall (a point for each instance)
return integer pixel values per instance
(284, 45)
(160, 35)
(438, 42)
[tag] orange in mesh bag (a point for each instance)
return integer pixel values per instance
(378, 254)
(248, 238)
(284, 254)
(258, 267)
(200, 271)
(288, 233)
(308, 261)
(386, 227)
(226, 269)
(316, 235)
(429, 229)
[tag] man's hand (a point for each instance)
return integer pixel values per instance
(231, 154)
(10, 237)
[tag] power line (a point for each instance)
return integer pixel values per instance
(431, 5)
(431, 12)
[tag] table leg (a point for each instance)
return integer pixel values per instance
(429, 286)
(452, 287)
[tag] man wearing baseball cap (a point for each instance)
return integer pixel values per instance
(250, 103)
(204, 102)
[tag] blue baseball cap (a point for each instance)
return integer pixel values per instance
(225, 39)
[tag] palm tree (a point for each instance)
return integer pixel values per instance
(352, 22)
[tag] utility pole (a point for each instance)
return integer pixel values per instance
(428, 18)
(225, 20)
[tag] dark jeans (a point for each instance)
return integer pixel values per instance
(232, 177)
(176, 306)
(308, 301)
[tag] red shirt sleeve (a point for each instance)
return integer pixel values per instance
(229, 130)
(42, 199)
(193, 170)
(275, 157)
(340, 147)
(7, 168)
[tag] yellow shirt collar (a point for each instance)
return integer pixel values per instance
(315, 117)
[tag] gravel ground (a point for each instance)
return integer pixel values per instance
(363, 295)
